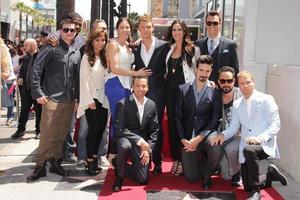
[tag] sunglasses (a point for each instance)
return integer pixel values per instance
(208, 23)
(223, 81)
(66, 30)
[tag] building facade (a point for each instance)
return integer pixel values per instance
(267, 35)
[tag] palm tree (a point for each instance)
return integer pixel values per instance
(134, 17)
(21, 7)
(63, 8)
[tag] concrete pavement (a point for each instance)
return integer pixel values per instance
(16, 163)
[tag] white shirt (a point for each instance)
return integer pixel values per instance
(216, 42)
(140, 107)
(146, 56)
(141, 113)
(248, 105)
(92, 80)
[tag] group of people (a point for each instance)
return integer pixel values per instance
(125, 86)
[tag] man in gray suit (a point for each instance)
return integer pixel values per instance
(136, 129)
(257, 115)
(221, 49)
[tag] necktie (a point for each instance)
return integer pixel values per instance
(211, 47)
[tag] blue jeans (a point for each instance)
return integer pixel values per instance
(82, 133)
(70, 145)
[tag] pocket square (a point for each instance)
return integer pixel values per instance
(225, 51)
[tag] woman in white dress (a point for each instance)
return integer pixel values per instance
(120, 59)
(93, 102)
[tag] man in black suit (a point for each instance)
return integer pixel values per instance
(151, 54)
(24, 82)
(198, 112)
(136, 129)
(221, 49)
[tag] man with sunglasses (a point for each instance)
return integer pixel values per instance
(221, 49)
(230, 166)
(78, 43)
(54, 85)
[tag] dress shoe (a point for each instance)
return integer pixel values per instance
(254, 195)
(56, 167)
(207, 182)
(39, 171)
(117, 186)
(157, 169)
(275, 175)
(18, 134)
(236, 180)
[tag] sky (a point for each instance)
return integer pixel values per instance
(83, 7)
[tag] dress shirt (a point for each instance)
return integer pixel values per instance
(216, 42)
(146, 55)
(140, 108)
(198, 96)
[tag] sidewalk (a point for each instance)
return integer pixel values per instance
(16, 164)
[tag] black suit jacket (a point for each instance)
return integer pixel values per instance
(224, 55)
(24, 70)
(202, 117)
(157, 63)
(127, 124)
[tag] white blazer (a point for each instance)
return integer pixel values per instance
(263, 123)
(188, 72)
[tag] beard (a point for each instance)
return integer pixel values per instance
(203, 78)
(226, 90)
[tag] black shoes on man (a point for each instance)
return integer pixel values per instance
(275, 175)
(18, 134)
(40, 171)
(157, 169)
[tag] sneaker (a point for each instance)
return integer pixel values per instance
(70, 159)
(9, 123)
(103, 162)
(80, 165)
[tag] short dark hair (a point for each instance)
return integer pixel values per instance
(138, 78)
(44, 34)
(65, 21)
(74, 15)
(204, 59)
(213, 13)
(226, 69)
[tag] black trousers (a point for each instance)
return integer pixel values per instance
(201, 162)
(96, 120)
(250, 169)
(137, 171)
(158, 96)
(26, 103)
(171, 95)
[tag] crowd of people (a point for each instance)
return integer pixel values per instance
(118, 89)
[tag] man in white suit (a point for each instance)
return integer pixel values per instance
(257, 115)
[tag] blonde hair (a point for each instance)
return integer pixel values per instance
(5, 58)
(245, 73)
(144, 18)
